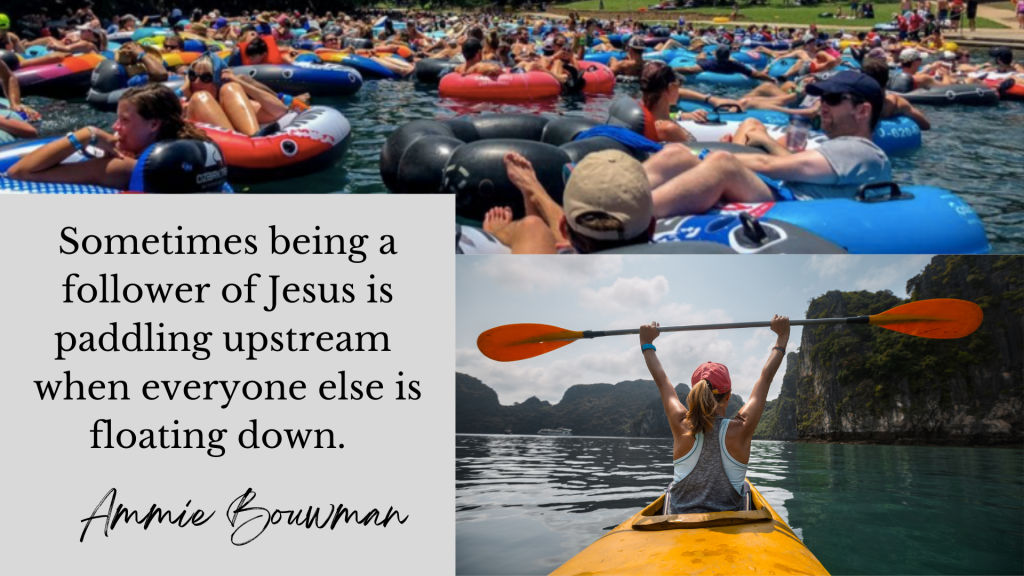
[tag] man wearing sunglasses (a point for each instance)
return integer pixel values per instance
(851, 105)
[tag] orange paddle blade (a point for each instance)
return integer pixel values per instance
(941, 318)
(521, 341)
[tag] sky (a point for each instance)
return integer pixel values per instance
(596, 292)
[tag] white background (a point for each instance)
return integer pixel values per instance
(397, 453)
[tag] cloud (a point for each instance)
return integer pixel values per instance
(543, 273)
(626, 294)
(758, 338)
(831, 266)
(894, 276)
(619, 360)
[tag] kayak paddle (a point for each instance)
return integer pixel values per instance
(941, 318)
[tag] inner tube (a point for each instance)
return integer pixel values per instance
(306, 142)
(357, 43)
(367, 67)
(1014, 92)
(893, 135)
(503, 88)
(591, 78)
(465, 157)
(430, 70)
(172, 167)
(911, 220)
(10, 59)
(316, 79)
(109, 82)
(68, 79)
(963, 94)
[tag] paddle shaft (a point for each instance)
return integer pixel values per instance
(815, 322)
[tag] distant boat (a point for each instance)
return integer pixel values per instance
(508, 430)
(555, 432)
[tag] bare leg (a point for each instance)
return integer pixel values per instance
(765, 90)
(527, 236)
(746, 127)
(719, 177)
(236, 105)
(535, 197)
(673, 160)
(202, 107)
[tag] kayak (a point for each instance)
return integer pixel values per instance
(756, 541)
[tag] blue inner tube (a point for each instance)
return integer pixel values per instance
(735, 80)
(604, 57)
(923, 220)
(165, 167)
(893, 135)
(316, 79)
(369, 68)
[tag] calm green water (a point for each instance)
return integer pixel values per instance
(976, 152)
(526, 504)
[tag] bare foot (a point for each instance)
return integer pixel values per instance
(727, 139)
(521, 174)
(497, 219)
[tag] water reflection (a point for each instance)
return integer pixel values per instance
(526, 504)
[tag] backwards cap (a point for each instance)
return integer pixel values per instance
(716, 375)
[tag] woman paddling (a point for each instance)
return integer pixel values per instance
(709, 473)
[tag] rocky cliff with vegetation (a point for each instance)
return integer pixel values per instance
(858, 383)
(630, 408)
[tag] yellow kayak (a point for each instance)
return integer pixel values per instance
(756, 541)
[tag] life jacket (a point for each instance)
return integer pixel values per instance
(650, 124)
(273, 52)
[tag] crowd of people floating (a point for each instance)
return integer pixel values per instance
(870, 73)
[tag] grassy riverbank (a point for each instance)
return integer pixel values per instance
(774, 12)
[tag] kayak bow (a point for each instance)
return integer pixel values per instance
(757, 541)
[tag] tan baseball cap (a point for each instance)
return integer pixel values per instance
(608, 183)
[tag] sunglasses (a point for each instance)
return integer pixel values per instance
(172, 46)
(205, 77)
(837, 99)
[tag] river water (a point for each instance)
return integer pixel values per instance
(976, 152)
(526, 504)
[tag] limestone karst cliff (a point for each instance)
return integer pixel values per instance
(851, 383)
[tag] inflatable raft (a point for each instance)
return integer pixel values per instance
(518, 86)
(367, 67)
(954, 94)
(306, 142)
(882, 219)
(303, 77)
(67, 79)
(754, 541)
(172, 167)
(465, 156)
(110, 81)
(893, 135)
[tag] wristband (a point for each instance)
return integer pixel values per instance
(779, 348)
(646, 347)
(707, 98)
(703, 154)
(78, 145)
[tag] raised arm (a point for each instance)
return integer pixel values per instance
(750, 414)
(674, 409)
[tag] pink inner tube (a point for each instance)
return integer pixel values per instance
(506, 87)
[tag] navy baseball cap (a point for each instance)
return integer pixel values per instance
(851, 82)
